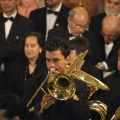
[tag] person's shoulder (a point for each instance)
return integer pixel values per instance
(88, 33)
(98, 16)
(57, 29)
(66, 8)
(38, 11)
(22, 18)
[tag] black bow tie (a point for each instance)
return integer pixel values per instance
(10, 18)
(107, 43)
(54, 12)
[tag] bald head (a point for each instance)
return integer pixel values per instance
(110, 28)
(79, 13)
(78, 20)
(111, 23)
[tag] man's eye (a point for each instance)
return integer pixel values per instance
(32, 45)
(116, 3)
(56, 60)
(26, 45)
(47, 60)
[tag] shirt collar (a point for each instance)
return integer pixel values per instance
(13, 15)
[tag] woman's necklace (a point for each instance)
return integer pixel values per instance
(27, 74)
(26, 71)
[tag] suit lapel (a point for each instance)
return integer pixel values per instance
(43, 20)
(60, 17)
(13, 30)
(65, 33)
(2, 26)
(114, 48)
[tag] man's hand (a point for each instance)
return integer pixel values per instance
(47, 101)
(100, 66)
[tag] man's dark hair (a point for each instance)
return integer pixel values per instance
(80, 44)
(57, 43)
(13, 106)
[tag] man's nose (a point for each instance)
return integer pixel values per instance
(111, 5)
(6, 1)
(81, 30)
(51, 64)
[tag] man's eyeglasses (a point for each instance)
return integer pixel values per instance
(81, 26)
(111, 37)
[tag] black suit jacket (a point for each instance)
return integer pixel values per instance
(96, 22)
(20, 27)
(61, 110)
(112, 57)
(63, 33)
(112, 107)
(16, 80)
(39, 18)
(113, 82)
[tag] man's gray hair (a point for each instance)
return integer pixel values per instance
(72, 13)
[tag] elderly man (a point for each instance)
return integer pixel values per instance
(112, 7)
(109, 43)
(53, 15)
(78, 22)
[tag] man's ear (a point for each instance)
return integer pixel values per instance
(16, 118)
(69, 19)
(68, 59)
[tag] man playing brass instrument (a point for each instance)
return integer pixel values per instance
(57, 57)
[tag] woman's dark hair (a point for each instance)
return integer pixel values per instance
(57, 43)
(80, 44)
(13, 106)
(40, 41)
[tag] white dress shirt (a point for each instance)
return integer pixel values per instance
(108, 48)
(51, 19)
(8, 23)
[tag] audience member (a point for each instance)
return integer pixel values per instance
(57, 56)
(13, 28)
(30, 66)
(112, 7)
(26, 6)
(77, 46)
(113, 82)
(78, 22)
(12, 107)
(53, 15)
(109, 43)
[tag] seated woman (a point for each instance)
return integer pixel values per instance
(31, 64)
